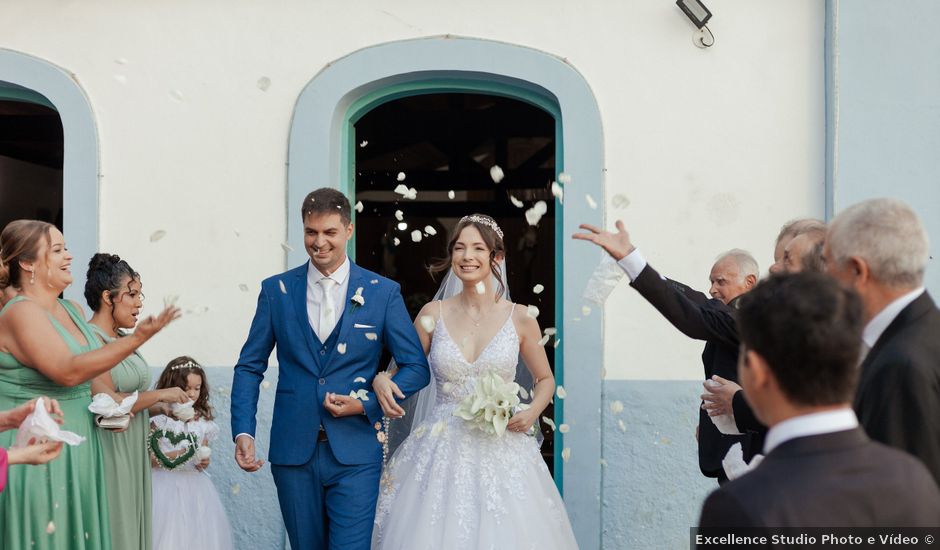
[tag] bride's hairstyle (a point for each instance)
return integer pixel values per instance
(492, 237)
(20, 241)
(174, 376)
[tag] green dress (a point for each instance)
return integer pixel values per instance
(61, 505)
(127, 462)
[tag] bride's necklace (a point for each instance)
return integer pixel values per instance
(476, 322)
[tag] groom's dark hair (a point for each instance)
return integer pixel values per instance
(326, 200)
(809, 330)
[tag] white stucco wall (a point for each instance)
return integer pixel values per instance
(715, 149)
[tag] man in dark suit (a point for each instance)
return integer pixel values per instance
(799, 352)
(696, 316)
(879, 248)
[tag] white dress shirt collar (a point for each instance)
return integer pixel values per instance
(819, 423)
(338, 276)
(876, 327)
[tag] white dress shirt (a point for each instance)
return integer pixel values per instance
(819, 423)
(315, 296)
(633, 264)
(878, 324)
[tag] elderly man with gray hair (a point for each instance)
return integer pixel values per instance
(695, 315)
(879, 247)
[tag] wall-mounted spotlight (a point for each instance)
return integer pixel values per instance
(699, 15)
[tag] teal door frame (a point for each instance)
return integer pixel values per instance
(319, 156)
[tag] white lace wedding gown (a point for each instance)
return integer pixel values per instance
(452, 486)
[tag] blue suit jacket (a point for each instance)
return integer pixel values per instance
(308, 369)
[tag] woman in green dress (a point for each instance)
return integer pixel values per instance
(47, 348)
(113, 291)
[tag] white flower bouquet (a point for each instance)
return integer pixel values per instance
(491, 404)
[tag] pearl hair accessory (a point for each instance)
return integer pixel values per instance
(485, 221)
(186, 365)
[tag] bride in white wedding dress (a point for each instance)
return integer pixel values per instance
(451, 485)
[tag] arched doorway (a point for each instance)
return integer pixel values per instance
(445, 145)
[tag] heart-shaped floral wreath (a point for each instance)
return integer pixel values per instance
(174, 438)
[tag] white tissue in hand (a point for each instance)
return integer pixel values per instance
(725, 424)
(734, 464)
(105, 405)
(603, 281)
(203, 453)
(183, 411)
(41, 426)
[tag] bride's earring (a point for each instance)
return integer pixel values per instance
(32, 277)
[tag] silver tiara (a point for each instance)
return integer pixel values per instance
(485, 221)
(186, 365)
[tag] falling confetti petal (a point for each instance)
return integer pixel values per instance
(359, 207)
(616, 407)
(551, 331)
(121, 79)
(265, 385)
(363, 143)
(399, 215)
(603, 373)
(522, 393)
(497, 173)
(480, 287)
(619, 201)
(236, 488)
(402, 226)
(516, 202)
(438, 427)
(604, 462)
(538, 289)
(359, 380)
(544, 339)
(585, 310)
(451, 195)
(534, 214)
(121, 61)
(401, 176)
(264, 83)
(157, 235)
(591, 202)
(566, 454)
(287, 247)
(341, 348)
(623, 427)
(560, 392)
(564, 178)
(177, 95)
(549, 422)
(416, 236)
(50, 528)
(396, 241)
(374, 281)
(557, 343)
(532, 311)
(430, 230)
(448, 387)
(558, 191)
(405, 192)
(243, 287)
(371, 336)
(283, 288)
(564, 428)
(427, 323)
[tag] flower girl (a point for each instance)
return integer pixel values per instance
(187, 512)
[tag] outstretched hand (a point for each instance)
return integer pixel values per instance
(147, 328)
(616, 244)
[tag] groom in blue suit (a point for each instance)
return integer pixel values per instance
(329, 320)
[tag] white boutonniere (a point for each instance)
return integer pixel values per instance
(357, 297)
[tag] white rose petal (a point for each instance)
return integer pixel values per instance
(591, 202)
(564, 428)
(405, 192)
(396, 241)
(451, 194)
(604, 462)
(564, 178)
(265, 385)
(497, 173)
(287, 247)
(538, 289)
(480, 287)
(623, 427)
(516, 202)
(427, 323)
(560, 392)
(534, 214)
(620, 201)
(359, 380)
(399, 215)
(157, 235)
(585, 310)
(121, 61)
(430, 230)
(438, 428)
(544, 339)
(50, 528)
(362, 395)
(283, 288)
(177, 95)
(549, 422)
(566, 454)
(558, 191)
(264, 83)
(603, 373)
(401, 176)
(616, 407)
(551, 331)
(121, 79)
(236, 488)
(557, 343)
(203, 453)
(341, 348)
(532, 312)
(359, 206)
(416, 236)
(402, 226)
(522, 393)
(243, 287)
(374, 281)
(363, 143)
(372, 336)
(447, 387)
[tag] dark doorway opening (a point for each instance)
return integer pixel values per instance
(445, 145)
(31, 155)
